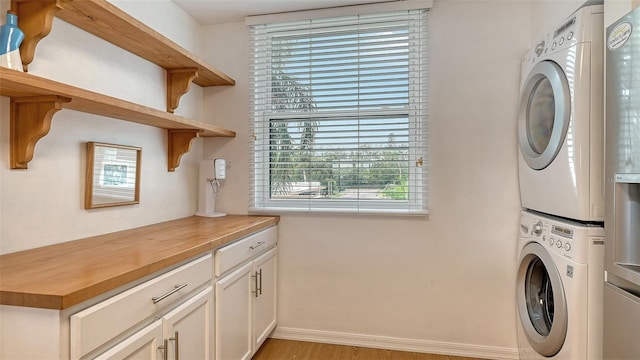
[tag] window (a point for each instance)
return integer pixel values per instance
(339, 114)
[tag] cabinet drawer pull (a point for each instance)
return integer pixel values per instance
(260, 243)
(157, 299)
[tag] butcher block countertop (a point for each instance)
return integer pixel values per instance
(60, 276)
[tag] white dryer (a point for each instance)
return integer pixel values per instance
(560, 120)
(560, 275)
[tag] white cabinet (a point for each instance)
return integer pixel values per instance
(264, 310)
(245, 291)
(174, 310)
(184, 333)
(233, 315)
(188, 329)
(181, 300)
(142, 345)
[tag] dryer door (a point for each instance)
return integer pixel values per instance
(541, 303)
(545, 111)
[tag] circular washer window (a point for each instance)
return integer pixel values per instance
(544, 115)
(540, 300)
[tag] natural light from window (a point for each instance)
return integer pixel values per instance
(340, 114)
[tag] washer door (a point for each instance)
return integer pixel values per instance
(541, 303)
(545, 112)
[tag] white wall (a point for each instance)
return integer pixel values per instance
(548, 14)
(168, 19)
(44, 204)
(445, 279)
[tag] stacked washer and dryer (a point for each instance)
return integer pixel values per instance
(561, 243)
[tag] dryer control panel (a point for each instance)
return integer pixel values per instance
(580, 27)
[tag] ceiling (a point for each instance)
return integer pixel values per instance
(209, 12)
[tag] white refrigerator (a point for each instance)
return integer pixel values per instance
(621, 317)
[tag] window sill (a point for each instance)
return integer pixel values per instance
(334, 211)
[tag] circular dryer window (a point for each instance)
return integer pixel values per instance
(540, 117)
(540, 301)
(544, 115)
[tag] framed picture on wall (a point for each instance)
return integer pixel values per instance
(113, 175)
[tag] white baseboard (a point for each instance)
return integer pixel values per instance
(392, 343)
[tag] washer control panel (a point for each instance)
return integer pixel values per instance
(564, 237)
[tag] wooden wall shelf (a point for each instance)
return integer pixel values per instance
(34, 96)
(108, 22)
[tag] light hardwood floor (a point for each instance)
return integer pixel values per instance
(276, 349)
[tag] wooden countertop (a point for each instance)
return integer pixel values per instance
(63, 275)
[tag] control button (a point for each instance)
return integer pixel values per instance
(551, 241)
(570, 35)
(561, 41)
(553, 47)
(559, 244)
(567, 247)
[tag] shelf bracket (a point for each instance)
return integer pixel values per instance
(178, 83)
(35, 19)
(30, 121)
(179, 144)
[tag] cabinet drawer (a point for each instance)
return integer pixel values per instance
(234, 254)
(96, 325)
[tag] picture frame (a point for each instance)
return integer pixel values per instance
(113, 175)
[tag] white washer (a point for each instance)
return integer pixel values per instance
(560, 120)
(560, 277)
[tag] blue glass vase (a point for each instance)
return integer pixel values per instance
(10, 39)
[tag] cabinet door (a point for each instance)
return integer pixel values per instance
(189, 328)
(264, 312)
(95, 326)
(233, 315)
(143, 345)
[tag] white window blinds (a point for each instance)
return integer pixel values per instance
(339, 114)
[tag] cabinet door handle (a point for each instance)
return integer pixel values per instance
(177, 348)
(255, 278)
(165, 350)
(260, 243)
(260, 274)
(157, 299)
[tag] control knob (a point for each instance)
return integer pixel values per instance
(539, 48)
(537, 229)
